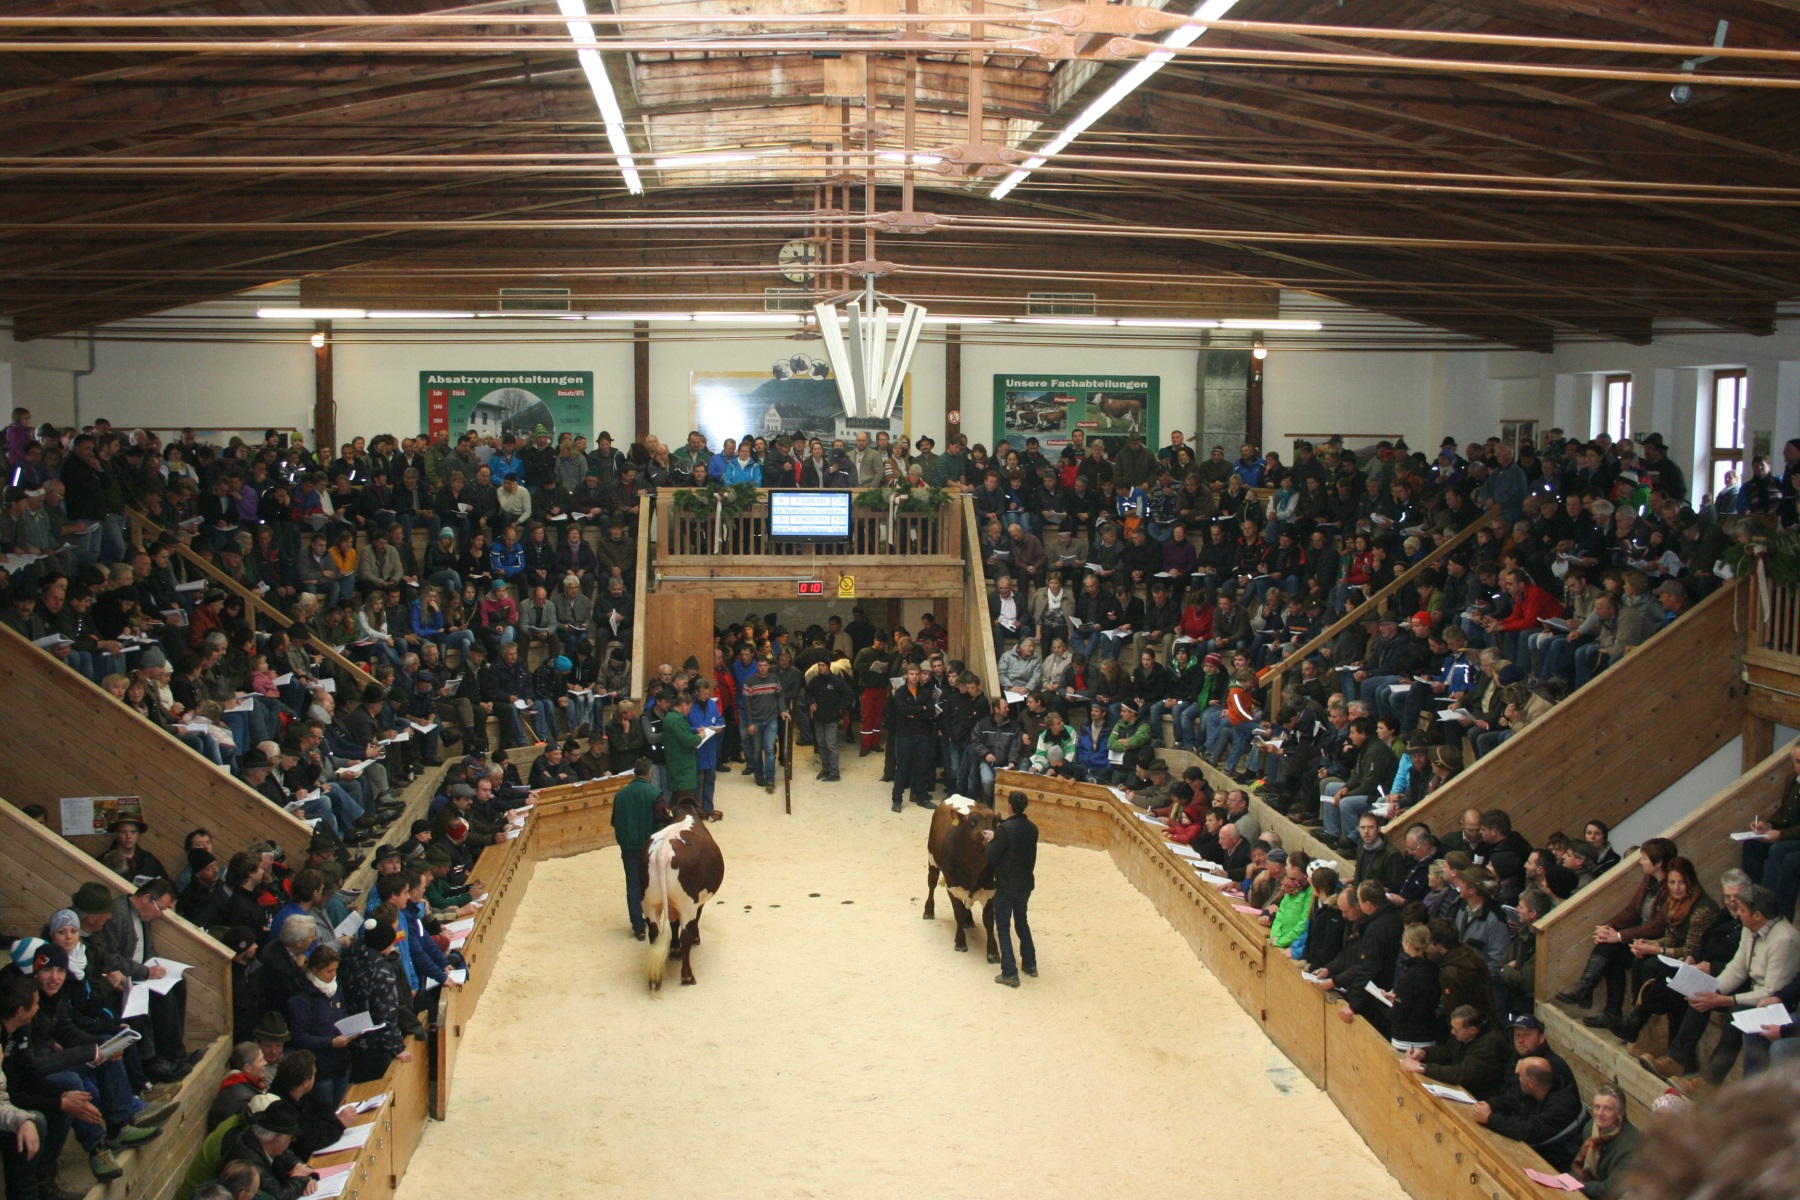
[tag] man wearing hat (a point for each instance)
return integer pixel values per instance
(1151, 790)
(204, 900)
(442, 895)
(272, 1036)
(263, 1141)
(128, 826)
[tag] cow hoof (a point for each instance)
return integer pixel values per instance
(993, 958)
(689, 982)
(962, 949)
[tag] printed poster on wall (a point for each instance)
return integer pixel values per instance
(495, 403)
(1051, 407)
(797, 396)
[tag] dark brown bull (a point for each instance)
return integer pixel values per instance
(682, 871)
(957, 849)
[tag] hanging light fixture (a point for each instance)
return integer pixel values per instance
(869, 365)
(1259, 351)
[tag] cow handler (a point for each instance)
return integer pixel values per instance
(634, 820)
(1012, 848)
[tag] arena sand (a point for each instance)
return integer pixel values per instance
(837, 1046)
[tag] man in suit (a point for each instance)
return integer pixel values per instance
(1012, 849)
(121, 951)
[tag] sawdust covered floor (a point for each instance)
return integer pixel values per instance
(837, 1046)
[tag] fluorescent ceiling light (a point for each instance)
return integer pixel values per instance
(702, 160)
(1123, 86)
(1167, 323)
(918, 160)
(582, 31)
(1064, 321)
(1294, 326)
(953, 319)
(640, 316)
(748, 318)
(408, 314)
(311, 314)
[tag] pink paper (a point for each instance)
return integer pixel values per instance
(1245, 908)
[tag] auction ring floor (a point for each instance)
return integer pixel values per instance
(837, 1046)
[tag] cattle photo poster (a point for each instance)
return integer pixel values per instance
(1051, 408)
(496, 403)
(796, 396)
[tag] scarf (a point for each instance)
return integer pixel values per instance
(1293, 887)
(78, 961)
(1594, 1146)
(328, 990)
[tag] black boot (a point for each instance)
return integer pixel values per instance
(1582, 994)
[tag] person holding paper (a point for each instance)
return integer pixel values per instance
(369, 974)
(314, 1012)
(1767, 960)
(1474, 1057)
(1645, 916)
(1773, 859)
(121, 949)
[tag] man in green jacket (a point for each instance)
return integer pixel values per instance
(1128, 740)
(680, 742)
(634, 820)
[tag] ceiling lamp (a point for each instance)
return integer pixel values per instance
(869, 371)
(1259, 351)
(582, 31)
(1187, 35)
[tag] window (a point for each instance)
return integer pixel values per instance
(1731, 395)
(1618, 407)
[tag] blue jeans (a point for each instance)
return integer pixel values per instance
(708, 778)
(1086, 642)
(1777, 867)
(1155, 716)
(1009, 911)
(1590, 660)
(634, 887)
(759, 749)
(1558, 658)
(952, 753)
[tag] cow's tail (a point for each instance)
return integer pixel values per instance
(659, 879)
(660, 949)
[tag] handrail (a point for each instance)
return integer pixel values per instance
(1374, 603)
(253, 602)
(981, 637)
(640, 600)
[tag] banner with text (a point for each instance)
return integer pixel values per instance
(495, 403)
(1051, 408)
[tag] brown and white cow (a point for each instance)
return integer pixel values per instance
(682, 871)
(957, 849)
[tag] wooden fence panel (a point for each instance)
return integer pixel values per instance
(73, 739)
(1615, 744)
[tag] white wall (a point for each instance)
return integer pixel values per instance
(1686, 794)
(232, 380)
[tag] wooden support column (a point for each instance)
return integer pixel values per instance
(952, 382)
(1253, 405)
(324, 403)
(1759, 740)
(640, 360)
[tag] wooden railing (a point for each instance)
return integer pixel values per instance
(72, 739)
(1778, 633)
(640, 596)
(143, 528)
(978, 629)
(1377, 602)
(872, 534)
(1616, 743)
(1431, 1146)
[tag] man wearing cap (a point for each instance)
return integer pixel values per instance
(1128, 743)
(203, 902)
(552, 768)
(1153, 790)
(442, 895)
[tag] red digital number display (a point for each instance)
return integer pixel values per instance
(811, 587)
